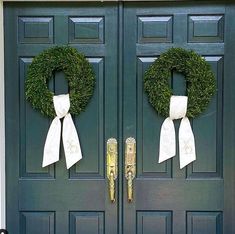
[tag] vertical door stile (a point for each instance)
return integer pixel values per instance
(129, 105)
(229, 121)
(120, 115)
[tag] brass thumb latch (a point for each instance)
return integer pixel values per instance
(112, 169)
(130, 165)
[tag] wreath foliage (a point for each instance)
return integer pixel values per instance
(200, 81)
(78, 72)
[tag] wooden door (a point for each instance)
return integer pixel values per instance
(194, 200)
(53, 199)
(120, 41)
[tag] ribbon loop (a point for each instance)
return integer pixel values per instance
(61, 105)
(178, 107)
(167, 149)
(71, 142)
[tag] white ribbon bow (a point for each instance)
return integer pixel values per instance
(187, 154)
(71, 142)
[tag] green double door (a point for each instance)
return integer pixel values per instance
(120, 41)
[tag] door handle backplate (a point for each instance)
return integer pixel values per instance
(130, 165)
(112, 167)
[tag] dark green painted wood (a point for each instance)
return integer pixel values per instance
(121, 41)
(228, 123)
(168, 200)
(54, 200)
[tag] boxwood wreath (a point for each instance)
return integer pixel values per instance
(200, 81)
(77, 70)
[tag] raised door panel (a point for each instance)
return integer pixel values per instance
(148, 222)
(87, 222)
(36, 29)
(44, 221)
(31, 149)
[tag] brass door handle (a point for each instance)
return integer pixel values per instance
(129, 186)
(130, 166)
(112, 168)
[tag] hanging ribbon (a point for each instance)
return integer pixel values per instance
(70, 138)
(187, 154)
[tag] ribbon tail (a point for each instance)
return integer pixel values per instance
(186, 143)
(167, 147)
(71, 142)
(52, 144)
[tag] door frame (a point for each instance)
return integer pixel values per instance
(2, 93)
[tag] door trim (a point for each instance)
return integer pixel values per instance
(2, 126)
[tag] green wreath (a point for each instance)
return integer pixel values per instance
(200, 81)
(78, 72)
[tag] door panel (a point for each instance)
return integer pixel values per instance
(52, 199)
(167, 199)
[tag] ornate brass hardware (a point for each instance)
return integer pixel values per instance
(130, 165)
(112, 169)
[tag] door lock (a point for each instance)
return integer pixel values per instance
(112, 168)
(130, 166)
